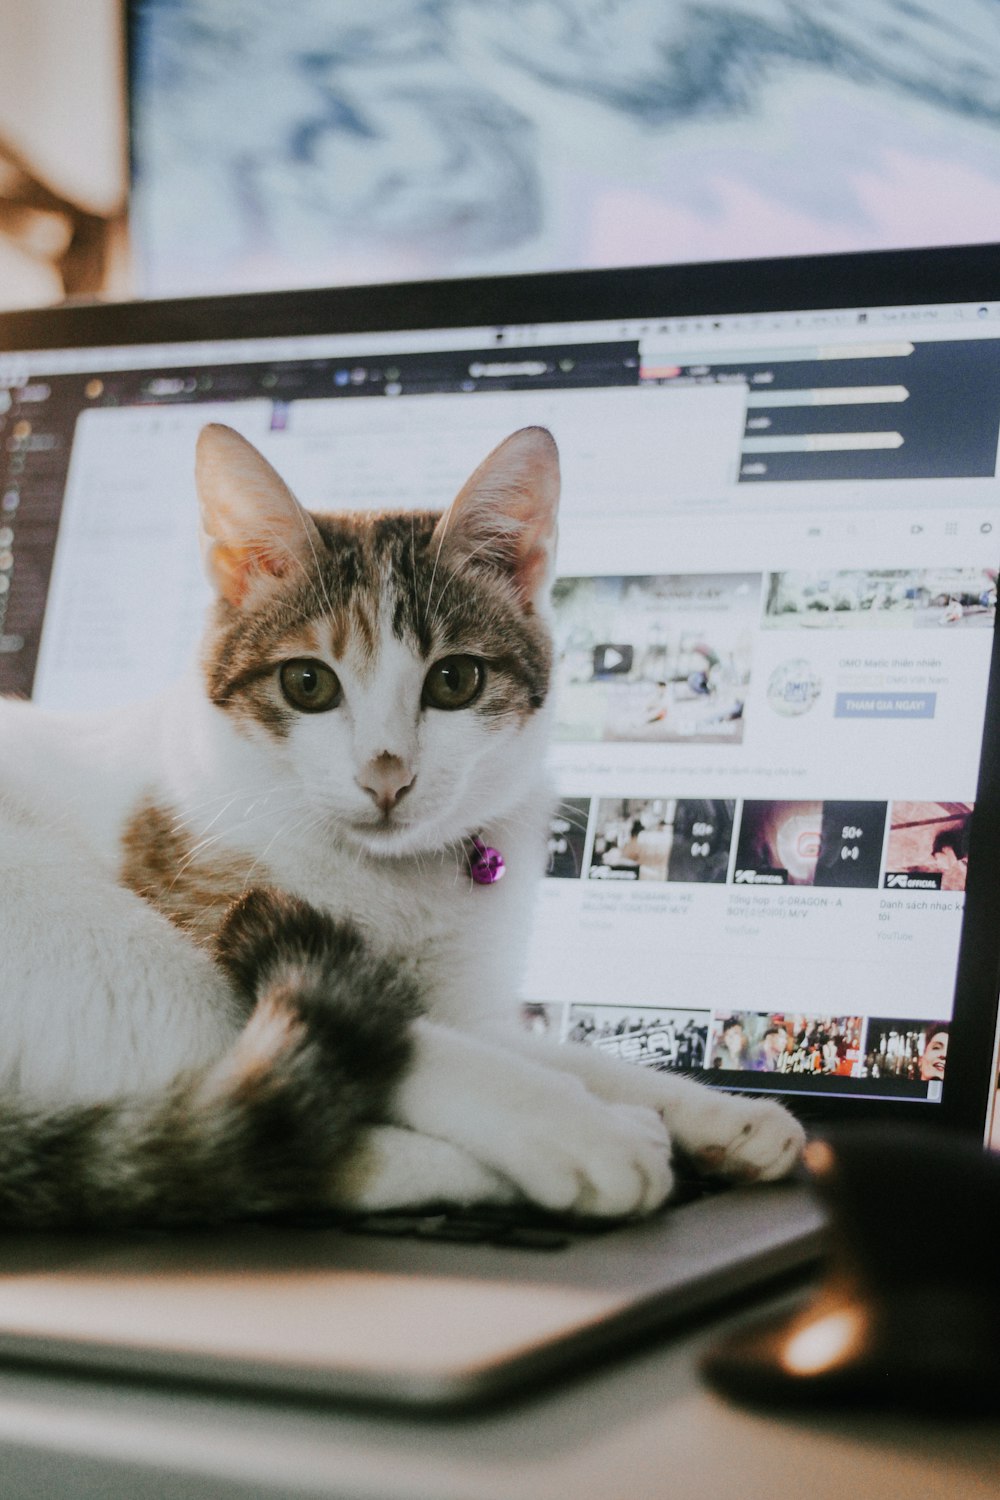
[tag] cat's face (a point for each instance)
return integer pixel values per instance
(396, 666)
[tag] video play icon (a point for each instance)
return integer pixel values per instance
(612, 660)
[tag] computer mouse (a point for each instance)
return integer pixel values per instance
(907, 1313)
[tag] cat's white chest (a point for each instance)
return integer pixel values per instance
(463, 942)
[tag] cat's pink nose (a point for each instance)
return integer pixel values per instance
(386, 779)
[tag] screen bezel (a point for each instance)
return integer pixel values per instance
(803, 283)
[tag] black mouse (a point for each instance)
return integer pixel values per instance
(908, 1311)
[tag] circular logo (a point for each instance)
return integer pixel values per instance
(793, 687)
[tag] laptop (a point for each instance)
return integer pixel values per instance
(774, 865)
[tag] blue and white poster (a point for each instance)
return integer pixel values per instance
(369, 140)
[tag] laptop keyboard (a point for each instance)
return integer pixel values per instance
(511, 1226)
(514, 1233)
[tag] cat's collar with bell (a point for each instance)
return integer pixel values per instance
(486, 865)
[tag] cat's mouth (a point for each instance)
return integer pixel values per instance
(384, 828)
(380, 835)
(393, 836)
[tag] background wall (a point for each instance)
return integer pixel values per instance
(374, 139)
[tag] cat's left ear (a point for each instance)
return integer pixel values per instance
(504, 517)
(253, 530)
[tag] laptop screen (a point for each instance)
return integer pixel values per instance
(774, 618)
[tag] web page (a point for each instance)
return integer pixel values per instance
(769, 769)
(772, 660)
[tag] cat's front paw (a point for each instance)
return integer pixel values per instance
(748, 1140)
(603, 1160)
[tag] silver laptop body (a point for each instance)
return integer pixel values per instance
(775, 625)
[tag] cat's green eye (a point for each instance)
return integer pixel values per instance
(454, 682)
(309, 685)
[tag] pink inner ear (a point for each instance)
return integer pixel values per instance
(504, 515)
(271, 562)
(235, 569)
(253, 527)
(520, 553)
(530, 573)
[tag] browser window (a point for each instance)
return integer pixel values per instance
(774, 621)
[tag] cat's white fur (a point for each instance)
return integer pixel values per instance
(102, 995)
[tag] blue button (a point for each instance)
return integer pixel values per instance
(884, 705)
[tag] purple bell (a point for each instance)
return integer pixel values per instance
(486, 865)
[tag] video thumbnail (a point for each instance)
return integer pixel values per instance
(836, 844)
(761, 1042)
(541, 1018)
(662, 838)
(658, 658)
(928, 846)
(915, 1050)
(648, 1035)
(882, 598)
(567, 837)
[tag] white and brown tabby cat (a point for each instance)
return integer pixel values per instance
(245, 967)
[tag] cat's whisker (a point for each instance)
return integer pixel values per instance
(414, 586)
(198, 850)
(220, 814)
(319, 571)
(467, 557)
(248, 818)
(289, 828)
(456, 848)
(321, 593)
(182, 820)
(571, 816)
(442, 526)
(191, 857)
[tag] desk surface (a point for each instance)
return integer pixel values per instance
(642, 1426)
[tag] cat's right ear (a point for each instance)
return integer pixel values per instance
(253, 530)
(504, 517)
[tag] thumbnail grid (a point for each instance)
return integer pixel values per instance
(669, 658)
(829, 844)
(793, 1047)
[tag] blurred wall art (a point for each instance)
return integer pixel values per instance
(369, 140)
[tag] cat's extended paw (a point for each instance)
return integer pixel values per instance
(604, 1160)
(748, 1140)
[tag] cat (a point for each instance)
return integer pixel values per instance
(247, 966)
